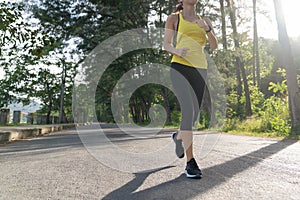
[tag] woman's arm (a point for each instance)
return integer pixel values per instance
(206, 24)
(212, 39)
(168, 38)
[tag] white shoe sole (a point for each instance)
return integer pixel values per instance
(196, 176)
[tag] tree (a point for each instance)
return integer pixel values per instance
(46, 88)
(223, 19)
(240, 69)
(49, 13)
(20, 47)
(11, 25)
(256, 62)
(291, 73)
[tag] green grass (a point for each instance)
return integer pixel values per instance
(256, 126)
(266, 135)
(256, 134)
(262, 134)
(11, 124)
(248, 127)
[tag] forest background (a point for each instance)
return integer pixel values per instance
(44, 42)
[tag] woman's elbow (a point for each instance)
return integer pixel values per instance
(165, 46)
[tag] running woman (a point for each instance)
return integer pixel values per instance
(190, 33)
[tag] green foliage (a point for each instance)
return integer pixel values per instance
(204, 120)
(46, 88)
(258, 99)
(91, 22)
(232, 106)
(250, 125)
(11, 24)
(278, 87)
(21, 45)
(230, 124)
(276, 116)
(176, 117)
(272, 114)
(273, 118)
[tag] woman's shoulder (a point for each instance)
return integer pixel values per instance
(173, 17)
(171, 22)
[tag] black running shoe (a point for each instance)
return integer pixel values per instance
(179, 150)
(192, 170)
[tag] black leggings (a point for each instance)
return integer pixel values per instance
(189, 86)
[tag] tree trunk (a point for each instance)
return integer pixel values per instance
(291, 72)
(137, 111)
(62, 93)
(49, 113)
(132, 111)
(144, 109)
(239, 64)
(256, 62)
(146, 105)
(224, 35)
(50, 101)
(65, 119)
(223, 16)
(246, 89)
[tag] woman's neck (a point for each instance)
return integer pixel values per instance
(189, 10)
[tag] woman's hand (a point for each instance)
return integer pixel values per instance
(207, 25)
(181, 52)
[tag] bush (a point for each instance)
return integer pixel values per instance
(257, 100)
(176, 117)
(276, 115)
(230, 124)
(204, 120)
(274, 119)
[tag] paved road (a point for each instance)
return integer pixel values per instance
(8, 128)
(58, 166)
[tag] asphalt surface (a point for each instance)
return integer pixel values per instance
(59, 166)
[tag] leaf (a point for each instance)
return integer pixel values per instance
(2, 26)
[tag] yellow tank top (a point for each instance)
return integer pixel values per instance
(191, 36)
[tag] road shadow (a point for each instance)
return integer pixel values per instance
(183, 188)
(125, 192)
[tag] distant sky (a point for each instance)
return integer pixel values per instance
(291, 9)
